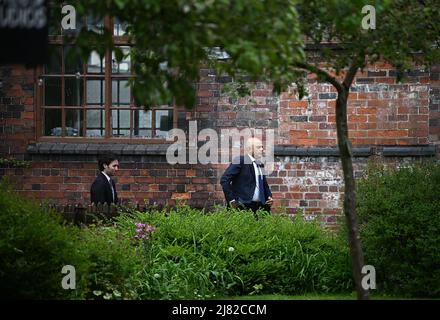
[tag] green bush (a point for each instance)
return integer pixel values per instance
(224, 253)
(34, 247)
(399, 218)
(190, 255)
(112, 261)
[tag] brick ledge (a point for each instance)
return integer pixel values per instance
(386, 151)
(280, 150)
(94, 148)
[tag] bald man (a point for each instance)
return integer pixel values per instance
(244, 183)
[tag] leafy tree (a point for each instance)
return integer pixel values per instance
(267, 39)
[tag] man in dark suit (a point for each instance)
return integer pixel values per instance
(103, 189)
(244, 183)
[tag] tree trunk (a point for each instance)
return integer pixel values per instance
(357, 257)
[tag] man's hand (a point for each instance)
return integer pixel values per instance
(269, 201)
(233, 204)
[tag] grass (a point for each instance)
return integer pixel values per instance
(316, 296)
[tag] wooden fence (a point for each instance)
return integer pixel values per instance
(80, 214)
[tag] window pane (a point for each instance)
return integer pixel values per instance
(120, 93)
(182, 123)
(119, 28)
(73, 88)
(121, 123)
(164, 122)
(79, 24)
(53, 65)
(142, 123)
(52, 92)
(124, 65)
(74, 122)
(72, 61)
(95, 92)
(95, 24)
(95, 63)
(95, 123)
(52, 122)
(55, 14)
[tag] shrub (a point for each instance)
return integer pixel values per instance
(113, 260)
(34, 247)
(189, 254)
(198, 256)
(399, 218)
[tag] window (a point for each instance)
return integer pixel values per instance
(92, 99)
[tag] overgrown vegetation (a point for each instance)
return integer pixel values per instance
(14, 163)
(34, 247)
(189, 255)
(399, 215)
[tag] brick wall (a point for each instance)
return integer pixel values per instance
(382, 114)
(17, 116)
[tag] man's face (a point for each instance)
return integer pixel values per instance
(112, 168)
(257, 149)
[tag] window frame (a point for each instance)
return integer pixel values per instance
(118, 40)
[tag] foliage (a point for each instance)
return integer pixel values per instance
(177, 254)
(113, 260)
(262, 39)
(173, 37)
(200, 256)
(405, 31)
(34, 247)
(399, 212)
(14, 163)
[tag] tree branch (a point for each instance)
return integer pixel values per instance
(348, 80)
(321, 73)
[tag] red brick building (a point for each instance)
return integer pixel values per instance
(58, 118)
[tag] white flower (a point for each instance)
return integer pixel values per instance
(107, 296)
(156, 275)
(231, 249)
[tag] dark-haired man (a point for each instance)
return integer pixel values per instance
(103, 189)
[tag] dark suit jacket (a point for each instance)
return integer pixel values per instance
(101, 192)
(238, 181)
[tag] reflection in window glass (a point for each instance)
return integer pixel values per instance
(79, 25)
(124, 65)
(73, 63)
(142, 123)
(121, 123)
(73, 91)
(95, 123)
(52, 91)
(95, 24)
(120, 92)
(52, 122)
(53, 65)
(95, 92)
(164, 122)
(182, 123)
(95, 64)
(74, 122)
(119, 28)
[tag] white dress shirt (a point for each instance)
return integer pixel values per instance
(258, 172)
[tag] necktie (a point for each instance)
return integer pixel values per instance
(261, 195)
(113, 189)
